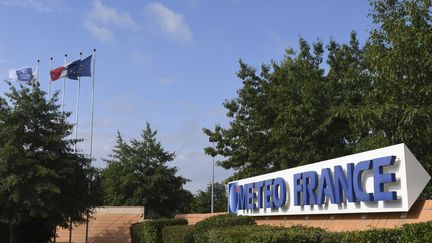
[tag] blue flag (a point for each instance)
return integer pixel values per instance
(22, 74)
(79, 68)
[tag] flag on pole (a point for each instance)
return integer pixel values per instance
(26, 74)
(79, 68)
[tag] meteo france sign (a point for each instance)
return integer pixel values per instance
(383, 180)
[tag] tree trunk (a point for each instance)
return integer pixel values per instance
(12, 238)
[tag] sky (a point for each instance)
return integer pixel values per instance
(169, 63)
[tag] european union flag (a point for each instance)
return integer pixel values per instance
(80, 68)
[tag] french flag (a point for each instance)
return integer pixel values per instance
(73, 70)
(59, 72)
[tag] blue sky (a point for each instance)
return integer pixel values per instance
(171, 63)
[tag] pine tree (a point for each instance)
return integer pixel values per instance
(137, 174)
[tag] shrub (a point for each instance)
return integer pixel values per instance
(266, 234)
(178, 234)
(203, 227)
(150, 231)
(372, 235)
(419, 232)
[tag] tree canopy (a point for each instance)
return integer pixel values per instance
(137, 174)
(43, 181)
(201, 202)
(310, 107)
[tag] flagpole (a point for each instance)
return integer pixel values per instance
(64, 87)
(76, 137)
(37, 74)
(91, 127)
(77, 108)
(50, 79)
(92, 103)
(212, 187)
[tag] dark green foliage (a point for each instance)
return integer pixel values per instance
(202, 201)
(43, 181)
(150, 231)
(4, 231)
(419, 233)
(203, 228)
(289, 113)
(266, 234)
(399, 55)
(293, 113)
(33, 230)
(137, 174)
(372, 235)
(178, 234)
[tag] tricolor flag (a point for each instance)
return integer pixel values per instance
(26, 74)
(79, 68)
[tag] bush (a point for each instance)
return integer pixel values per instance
(203, 227)
(151, 231)
(266, 234)
(372, 235)
(29, 231)
(178, 234)
(419, 232)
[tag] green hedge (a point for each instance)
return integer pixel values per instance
(266, 234)
(420, 232)
(236, 229)
(366, 236)
(178, 234)
(202, 228)
(150, 231)
(416, 233)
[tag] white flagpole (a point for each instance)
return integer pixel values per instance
(92, 103)
(76, 137)
(49, 82)
(37, 74)
(91, 126)
(64, 87)
(212, 187)
(77, 109)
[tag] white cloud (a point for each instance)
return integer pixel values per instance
(36, 5)
(168, 22)
(99, 20)
(102, 33)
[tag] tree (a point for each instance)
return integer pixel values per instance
(399, 57)
(137, 174)
(291, 113)
(42, 179)
(202, 201)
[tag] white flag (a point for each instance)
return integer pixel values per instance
(26, 74)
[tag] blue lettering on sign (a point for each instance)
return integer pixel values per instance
(310, 189)
(380, 178)
(358, 187)
(262, 194)
(326, 186)
(279, 193)
(340, 185)
(344, 184)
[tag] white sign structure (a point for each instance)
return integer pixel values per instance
(383, 180)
